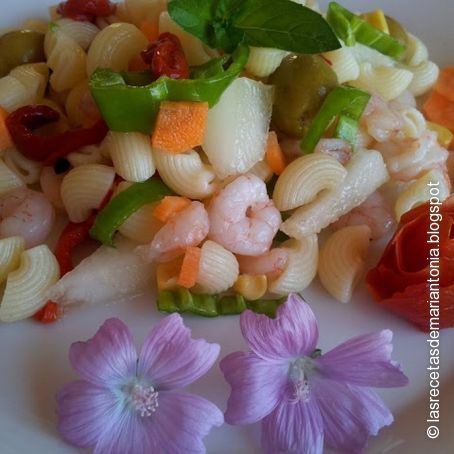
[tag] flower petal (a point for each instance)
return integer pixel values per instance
(291, 334)
(170, 358)
(350, 414)
(257, 386)
(108, 357)
(181, 422)
(293, 427)
(84, 411)
(365, 361)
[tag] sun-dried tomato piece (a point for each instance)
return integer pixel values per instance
(166, 57)
(86, 10)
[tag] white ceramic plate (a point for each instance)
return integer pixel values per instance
(34, 361)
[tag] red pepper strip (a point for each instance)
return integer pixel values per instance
(48, 149)
(48, 314)
(86, 10)
(166, 57)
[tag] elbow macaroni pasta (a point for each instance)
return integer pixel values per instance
(414, 123)
(25, 291)
(301, 266)
(83, 33)
(416, 52)
(342, 260)
(90, 154)
(131, 155)
(303, 179)
(185, 173)
(138, 11)
(344, 64)
(11, 249)
(84, 188)
(425, 76)
(114, 46)
(264, 61)
(218, 268)
(9, 181)
(28, 171)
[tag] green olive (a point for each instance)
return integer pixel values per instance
(19, 47)
(396, 30)
(301, 83)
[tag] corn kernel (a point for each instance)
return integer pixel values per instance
(167, 274)
(377, 19)
(252, 287)
(445, 136)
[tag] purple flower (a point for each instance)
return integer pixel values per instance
(305, 399)
(132, 405)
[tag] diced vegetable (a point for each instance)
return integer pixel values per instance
(180, 126)
(351, 29)
(250, 286)
(184, 301)
(444, 135)
(275, 158)
(190, 267)
(445, 83)
(347, 102)
(439, 109)
(123, 205)
(237, 128)
(167, 274)
(377, 19)
(129, 102)
(150, 29)
(170, 205)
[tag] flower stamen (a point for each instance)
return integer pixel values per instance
(299, 379)
(143, 399)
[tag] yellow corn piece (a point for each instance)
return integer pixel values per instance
(445, 136)
(377, 19)
(251, 287)
(167, 274)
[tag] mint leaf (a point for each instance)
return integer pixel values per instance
(208, 20)
(279, 24)
(285, 25)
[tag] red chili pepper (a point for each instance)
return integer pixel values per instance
(166, 57)
(86, 10)
(48, 314)
(47, 149)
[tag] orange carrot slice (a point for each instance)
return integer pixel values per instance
(168, 206)
(5, 138)
(190, 267)
(440, 110)
(150, 29)
(445, 83)
(180, 126)
(275, 158)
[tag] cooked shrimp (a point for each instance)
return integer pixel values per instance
(407, 159)
(26, 213)
(271, 263)
(374, 212)
(337, 148)
(50, 185)
(242, 217)
(188, 227)
(380, 120)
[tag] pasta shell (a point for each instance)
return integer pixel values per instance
(114, 47)
(344, 64)
(8, 179)
(83, 33)
(306, 177)
(425, 76)
(366, 172)
(185, 173)
(218, 268)
(414, 122)
(28, 171)
(131, 155)
(25, 291)
(84, 188)
(416, 52)
(138, 11)
(13, 93)
(301, 266)
(263, 61)
(342, 260)
(418, 192)
(34, 76)
(389, 82)
(11, 249)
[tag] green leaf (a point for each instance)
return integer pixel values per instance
(285, 25)
(352, 28)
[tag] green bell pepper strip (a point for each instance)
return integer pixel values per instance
(351, 29)
(184, 301)
(347, 102)
(127, 107)
(123, 205)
